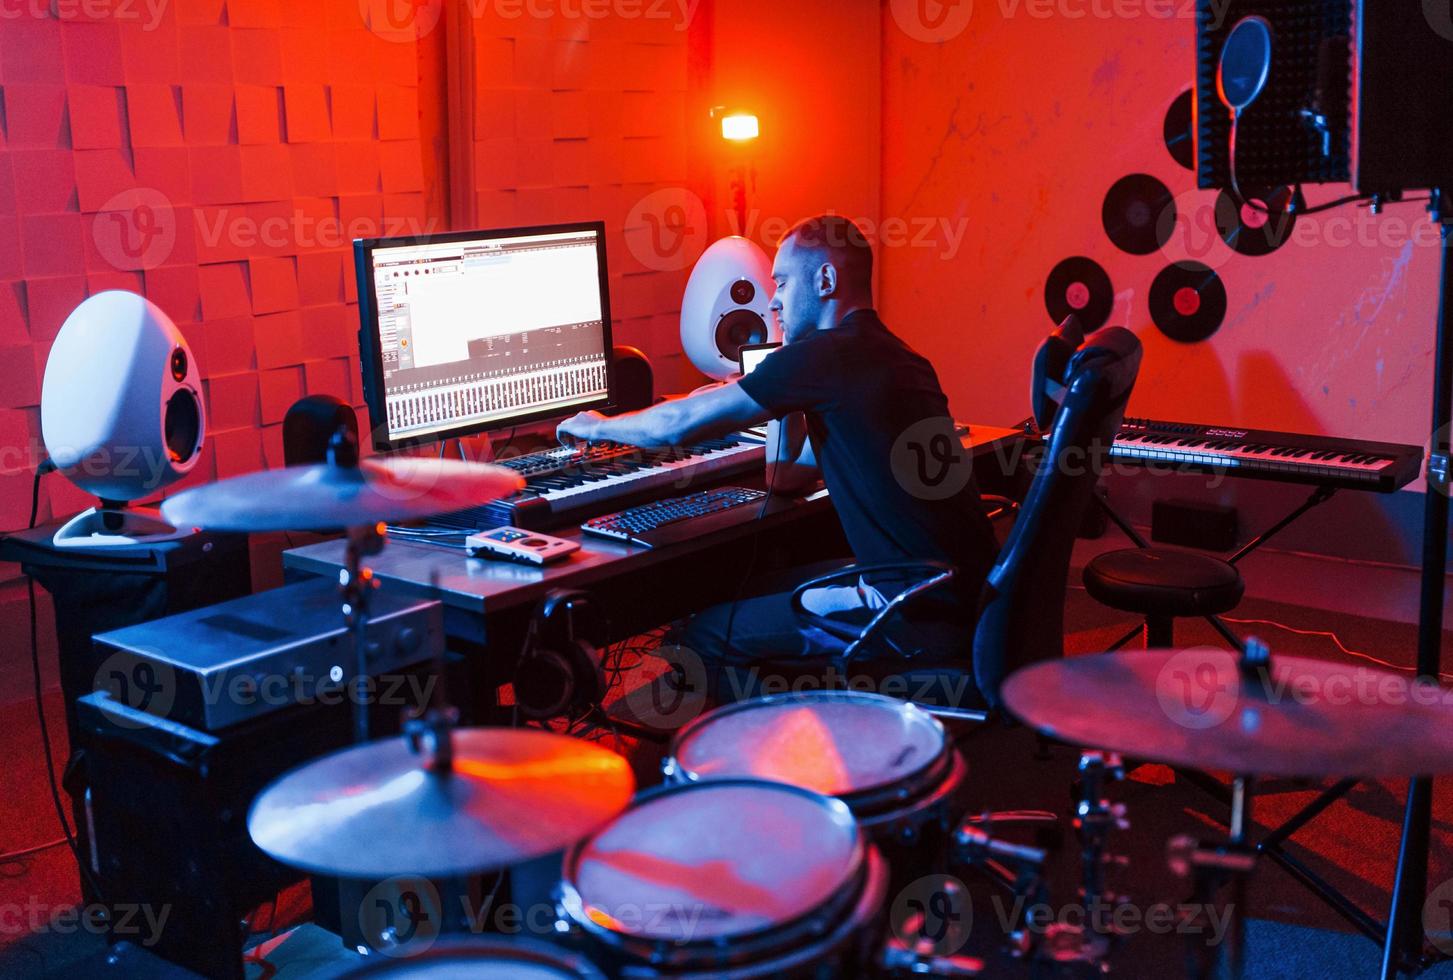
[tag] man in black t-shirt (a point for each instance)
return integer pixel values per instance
(850, 401)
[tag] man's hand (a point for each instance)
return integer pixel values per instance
(584, 427)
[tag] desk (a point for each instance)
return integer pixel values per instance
(486, 602)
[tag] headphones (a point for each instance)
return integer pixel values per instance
(561, 672)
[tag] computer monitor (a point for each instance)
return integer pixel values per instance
(463, 333)
(751, 355)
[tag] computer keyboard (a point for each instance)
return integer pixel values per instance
(664, 522)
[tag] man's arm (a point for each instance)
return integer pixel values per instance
(705, 415)
(791, 465)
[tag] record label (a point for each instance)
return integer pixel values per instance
(1258, 224)
(1080, 286)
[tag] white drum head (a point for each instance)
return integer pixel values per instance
(838, 743)
(715, 861)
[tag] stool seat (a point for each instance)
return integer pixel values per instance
(1164, 582)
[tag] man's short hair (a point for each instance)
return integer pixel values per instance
(833, 238)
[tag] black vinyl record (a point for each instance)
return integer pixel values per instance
(1248, 228)
(1080, 286)
(1179, 129)
(1139, 214)
(1188, 302)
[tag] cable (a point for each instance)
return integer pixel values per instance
(16, 855)
(1334, 638)
(756, 544)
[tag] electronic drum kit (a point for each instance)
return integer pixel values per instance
(786, 824)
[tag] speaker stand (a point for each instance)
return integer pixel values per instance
(108, 526)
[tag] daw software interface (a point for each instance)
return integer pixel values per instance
(489, 330)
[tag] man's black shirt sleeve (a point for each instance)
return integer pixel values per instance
(797, 377)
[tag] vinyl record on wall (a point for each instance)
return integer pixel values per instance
(1260, 227)
(1139, 214)
(1080, 286)
(1188, 302)
(1179, 129)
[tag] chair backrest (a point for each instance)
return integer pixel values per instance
(1047, 382)
(1021, 613)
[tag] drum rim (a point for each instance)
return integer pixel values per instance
(519, 948)
(656, 950)
(868, 803)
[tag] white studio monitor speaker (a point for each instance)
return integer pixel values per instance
(122, 416)
(725, 306)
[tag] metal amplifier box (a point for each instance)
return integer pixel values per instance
(215, 667)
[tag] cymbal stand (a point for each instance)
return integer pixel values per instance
(356, 583)
(1210, 866)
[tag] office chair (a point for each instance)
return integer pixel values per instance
(1021, 609)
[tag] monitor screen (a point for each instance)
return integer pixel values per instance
(465, 333)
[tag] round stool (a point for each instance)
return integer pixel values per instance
(1162, 584)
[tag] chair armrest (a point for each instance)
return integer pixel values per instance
(935, 574)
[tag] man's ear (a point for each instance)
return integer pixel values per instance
(826, 280)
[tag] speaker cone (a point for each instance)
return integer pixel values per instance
(738, 329)
(182, 425)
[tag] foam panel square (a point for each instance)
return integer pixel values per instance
(570, 65)
(225, 291)
(53, 244)
(207, 114)
(315, 169)
(238, 451)
(353, 111)
(494, 114)
(177, 289)
(494, 62)
(230, 343)
(50, 301)
(254, 13)
(101, 175)
(92, 52)
(259, 118)
(127, 281)
(398, 112)
(267, 173)
(48, 178)
(19, 379)
(305, 109)
(217, 175)
(329, 332)
(532, 116)
(279, 338)
(401, 165)
(232, 400)
(154, 115)
(151, 56)
(167, 170)
(328, 377)
(274, 284)
(95, 117)
(13, 329)
(206, 53)
(258, 56)
(572, 163)
(358, 168)
(279, 388)
(570, 115)
(320, 277)
(304, 59)
(35, 115)
(30, 51)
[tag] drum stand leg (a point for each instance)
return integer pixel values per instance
(1210, 867)
(356, 583)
